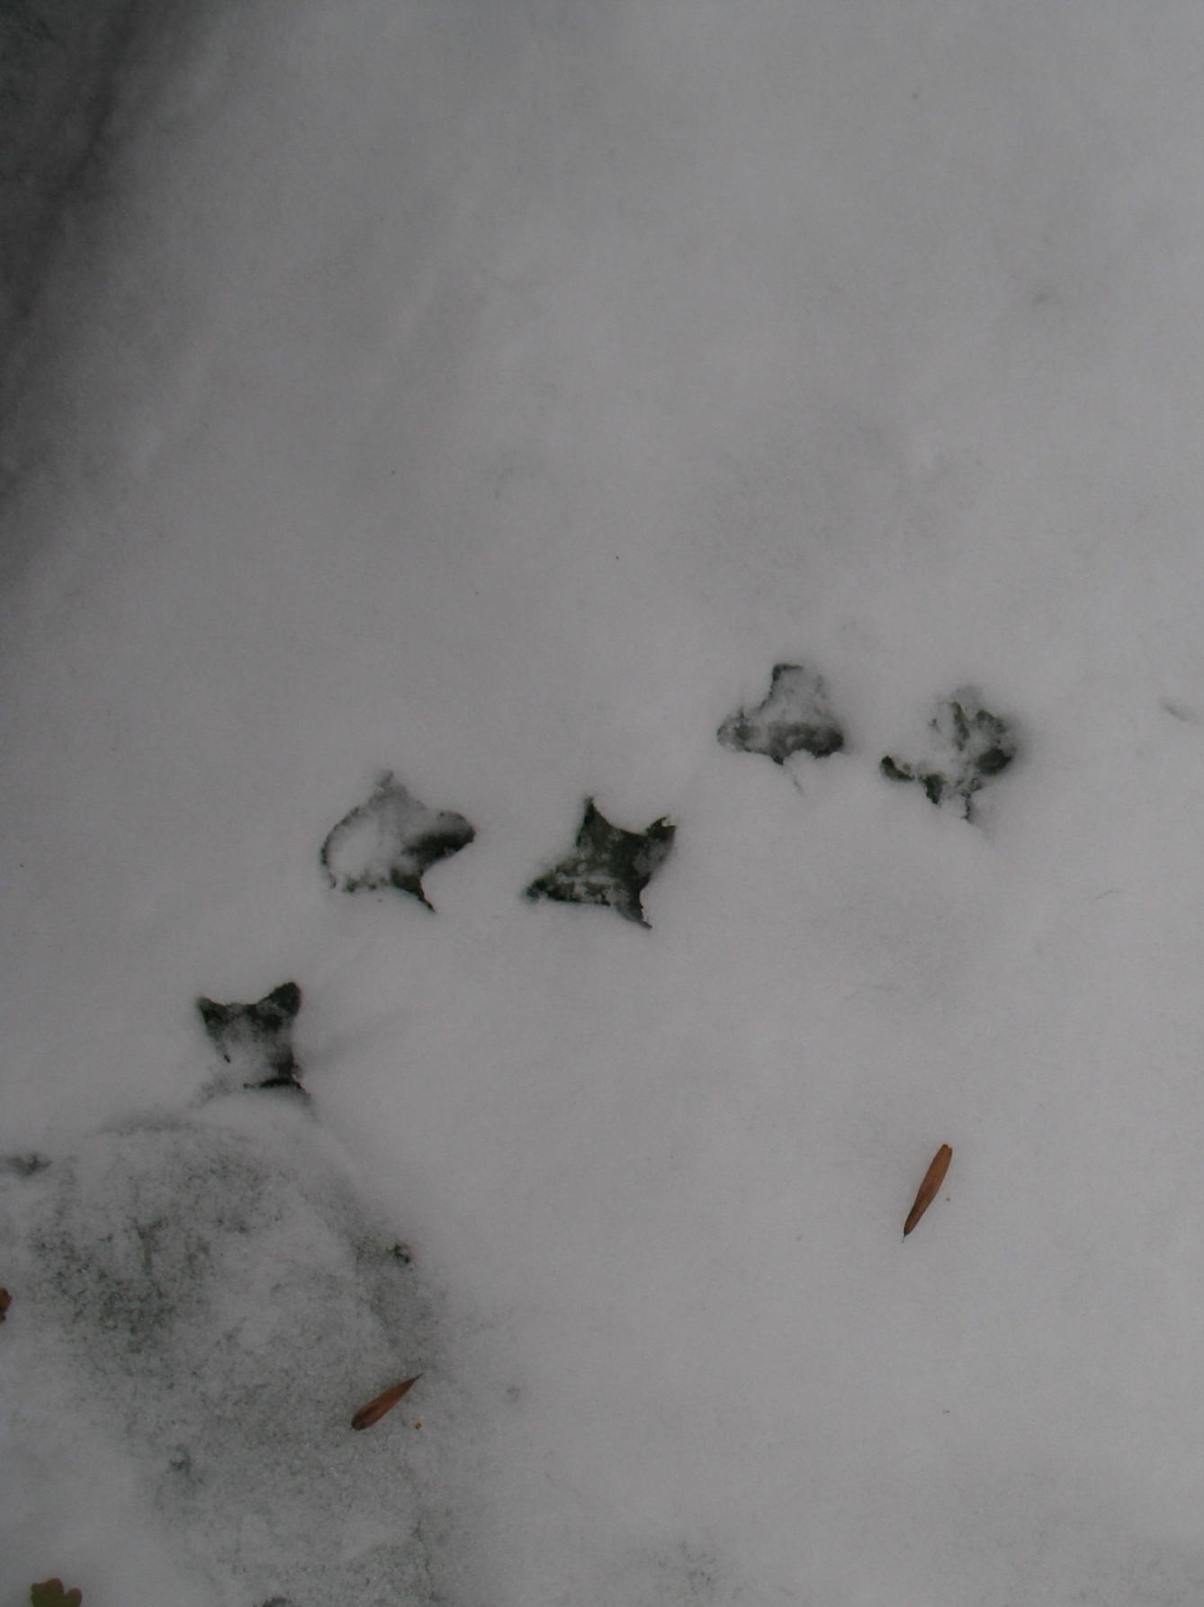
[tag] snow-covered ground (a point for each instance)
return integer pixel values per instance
(492, 392)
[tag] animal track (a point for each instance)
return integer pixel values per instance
(607, 865)
(392, 840)
(972, 746)
(794, 717)
(257, 1037)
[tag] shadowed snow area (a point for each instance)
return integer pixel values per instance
(59, 68)
(72, 81)
(498, 392)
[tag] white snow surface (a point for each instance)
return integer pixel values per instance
(492, 392)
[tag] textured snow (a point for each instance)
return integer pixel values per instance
(216, 1294)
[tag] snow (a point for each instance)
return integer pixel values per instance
(219, 1295)
(493, 396)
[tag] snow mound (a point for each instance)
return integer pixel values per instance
(213, 1288)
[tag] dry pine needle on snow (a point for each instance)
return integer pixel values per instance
(376, 1409)
(933, 1178)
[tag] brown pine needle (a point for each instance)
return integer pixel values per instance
(929, 1188)
(376, 1409)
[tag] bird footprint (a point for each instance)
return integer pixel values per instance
(392, 840)
(607, 865)
(971, 746)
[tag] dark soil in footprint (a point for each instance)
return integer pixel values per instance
(392, 840)
(608, 865)
(970, 746)
(257, 1038)
(794, 717)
